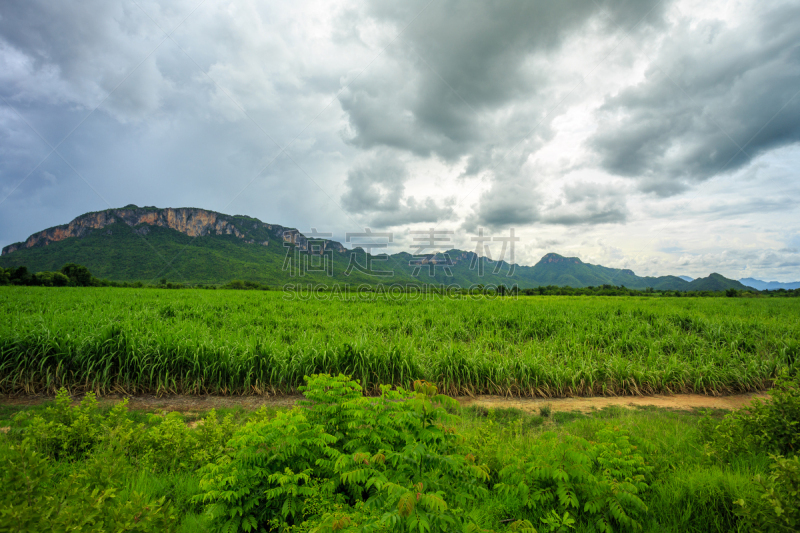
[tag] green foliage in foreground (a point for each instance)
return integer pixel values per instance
(777, 508)
(31, 502)
(601, 479)
(771, 427)
(341, 461)
(244, 342)
(389, 463)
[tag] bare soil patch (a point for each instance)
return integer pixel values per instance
(183, 403)
(586, 404)
(198, 404)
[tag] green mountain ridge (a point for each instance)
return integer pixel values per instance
(716, 282)
(192, 245)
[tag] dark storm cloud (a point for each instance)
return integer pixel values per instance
(458, 63)
(588, 203)
(471, 79)
(376, 189)
(713, 98)
(165, 133)
(375, 185)
(58, 62)
(589, 214)
(519, 202)
(78, 52)
(413, 212)
(511, 202)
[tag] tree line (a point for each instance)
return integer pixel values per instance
(74, 275)
(70, 275)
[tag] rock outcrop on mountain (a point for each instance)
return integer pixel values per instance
(189, 221)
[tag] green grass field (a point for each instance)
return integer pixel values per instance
(237, 342)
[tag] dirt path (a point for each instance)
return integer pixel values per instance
(182, 403)
(585, 404)
(195, 404)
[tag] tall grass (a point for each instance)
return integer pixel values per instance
(234, 342)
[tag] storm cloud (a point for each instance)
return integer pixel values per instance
(376, 188)
(715, 96)
(468, 78)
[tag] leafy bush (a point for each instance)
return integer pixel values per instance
(64, 432)
(256, 482)
(777, 509)
(771, 426)
(19, 275)
(239, 284)
(596, 483)
(165, 443)
(32, 502)
(390, 462)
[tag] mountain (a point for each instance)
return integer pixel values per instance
(715, 282)
(193, 245)
(686, 278)
(769, 285)
(553, 269)
(189, 221)
(183, 244)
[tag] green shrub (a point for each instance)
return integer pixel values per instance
(64, 432)
(164, 444)
(342, 460)
(777, 509)
(31, 501)
(693, 499)
(596, 483)
(771, 426)
(256, 483)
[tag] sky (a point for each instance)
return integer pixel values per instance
(661, 136)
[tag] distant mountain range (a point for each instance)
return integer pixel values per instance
(193, 245)
(769, 285)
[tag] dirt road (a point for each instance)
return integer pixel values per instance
(585, 404)
(203, 403)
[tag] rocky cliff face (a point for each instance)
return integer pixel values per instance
(190, 221)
